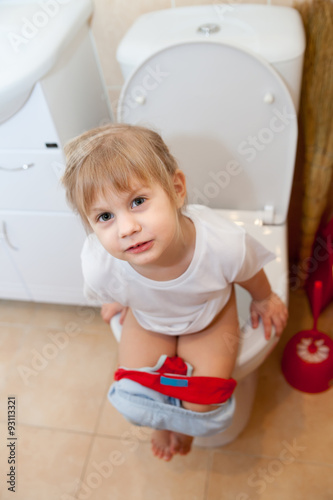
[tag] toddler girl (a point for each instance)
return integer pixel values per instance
(168, 268)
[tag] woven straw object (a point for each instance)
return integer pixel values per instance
(316, 117)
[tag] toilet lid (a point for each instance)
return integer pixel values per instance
(227, 117)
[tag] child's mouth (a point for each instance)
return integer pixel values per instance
(140, 247)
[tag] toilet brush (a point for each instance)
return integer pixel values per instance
(307, 361)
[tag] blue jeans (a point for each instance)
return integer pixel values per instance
(146, 407)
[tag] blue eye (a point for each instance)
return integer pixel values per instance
(105, 217)
(137, 202)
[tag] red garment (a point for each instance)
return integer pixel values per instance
(172, 380)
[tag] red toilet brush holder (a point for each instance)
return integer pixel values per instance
(307, 361)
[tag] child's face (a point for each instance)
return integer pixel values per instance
(138, 227)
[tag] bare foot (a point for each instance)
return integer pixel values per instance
(165, 444)
(180, 443)
(160, 443)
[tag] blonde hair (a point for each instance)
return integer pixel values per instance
(113, 156)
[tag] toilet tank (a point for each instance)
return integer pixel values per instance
(273, 33)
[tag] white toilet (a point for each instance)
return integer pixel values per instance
(221, 84)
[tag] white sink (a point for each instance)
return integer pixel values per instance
(32, 37)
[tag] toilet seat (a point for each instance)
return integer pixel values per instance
(254, 348)
(229, 134)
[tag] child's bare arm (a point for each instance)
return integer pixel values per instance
(109, 310)
(265, 304)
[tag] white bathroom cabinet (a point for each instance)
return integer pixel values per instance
(40, 237)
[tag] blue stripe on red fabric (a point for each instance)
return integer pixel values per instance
(175, 382)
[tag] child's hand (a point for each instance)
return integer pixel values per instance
(272, 311)
(109, 310)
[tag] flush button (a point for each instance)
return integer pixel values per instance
(208, 29)
(269, 98)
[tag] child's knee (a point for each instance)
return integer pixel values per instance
(198, 408)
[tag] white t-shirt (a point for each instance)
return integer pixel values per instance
(223, 254)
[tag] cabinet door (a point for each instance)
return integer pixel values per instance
(46, 255)
(30, 180)
(12, 285)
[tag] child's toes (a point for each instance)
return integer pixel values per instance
(161, 445)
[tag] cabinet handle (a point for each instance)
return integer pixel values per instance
(25, 166)
(6, 237)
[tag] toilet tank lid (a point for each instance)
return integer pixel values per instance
(254, 27)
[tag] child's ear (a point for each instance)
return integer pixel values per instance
(179, 182)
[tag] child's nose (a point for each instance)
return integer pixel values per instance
(128, 225)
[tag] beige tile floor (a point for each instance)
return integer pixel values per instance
(71, 444)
